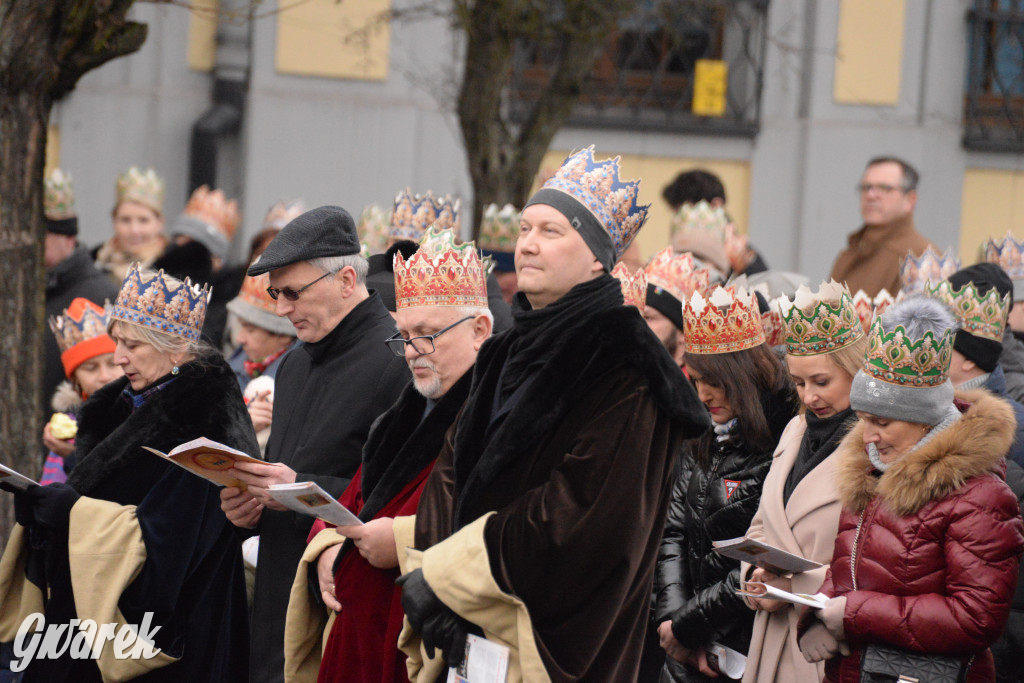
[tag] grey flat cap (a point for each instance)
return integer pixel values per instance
(323, 231)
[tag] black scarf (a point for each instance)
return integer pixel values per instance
(537, 332)
(820, 440)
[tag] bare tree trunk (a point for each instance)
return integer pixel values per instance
(45, 47)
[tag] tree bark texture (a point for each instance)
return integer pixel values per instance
(45, 47)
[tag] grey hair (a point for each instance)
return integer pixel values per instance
(919, 315)
(463, 311)
(332, 264)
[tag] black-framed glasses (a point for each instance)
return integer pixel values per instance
(293, 294)
(421, 345)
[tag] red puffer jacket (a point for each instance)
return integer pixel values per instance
(933, 543)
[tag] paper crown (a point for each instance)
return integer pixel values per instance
(597, 186)
(832, 322)
(58, 196)
(1008, 255)
(677, 274)
(155, 301)
(634, 287)
(214, 209)
(282, 213)
(868, 309)
(703, 218)
(772, 324)
(978, 315)
(81, 333)
(254, 305)
(499, 229)
(894, 358)
(724, 322)
(441, 273)
(414, 214)
(931, 265)
(146, 188)
(373, 226)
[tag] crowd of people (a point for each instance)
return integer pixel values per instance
(542, 437)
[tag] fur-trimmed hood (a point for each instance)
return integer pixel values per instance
(974, 445)
(66, 398)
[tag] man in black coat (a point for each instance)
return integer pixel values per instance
(327, 395)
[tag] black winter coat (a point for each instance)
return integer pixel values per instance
(696, 587)
(1008, 651)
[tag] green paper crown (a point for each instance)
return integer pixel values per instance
(894, 358)
(832, 324)
(979, 316)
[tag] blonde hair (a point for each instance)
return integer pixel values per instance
(161, 341)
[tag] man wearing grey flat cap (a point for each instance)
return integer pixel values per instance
(327, 394)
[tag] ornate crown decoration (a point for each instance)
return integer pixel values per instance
(634, 287)
(895, 358)
(282, 213)
(724, 322)
(58, 196)
(146, 188)
(701, 217)
(499, 229)
(373, 228)
(152, 301)
(979, 315)
(772, 323)
(868, 309)
(596, 185)
(822, 321)
(254, 292)
(81, 321)
(414, 214)
(677, 274)
(1008, 254)
(931, 265)
(213, 208)
(441, 273)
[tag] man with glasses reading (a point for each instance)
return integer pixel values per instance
(871, 260)
(328, 392)
(443, 319)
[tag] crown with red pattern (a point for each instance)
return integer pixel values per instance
(161, 303)
(677, 274)
(868, 309)
(916, 271)
(634, 287)
(282, 213)
(724, 322)
(415, 214)
(254, 306)
(596, 185)
(441, 273)
(81, 333)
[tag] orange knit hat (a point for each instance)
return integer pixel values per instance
(81, 333)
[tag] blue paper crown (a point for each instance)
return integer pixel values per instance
(1008, 254)
(916, 271)
(155, 301)
(596, 185)
(414, 214)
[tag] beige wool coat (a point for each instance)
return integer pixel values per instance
(807, 527)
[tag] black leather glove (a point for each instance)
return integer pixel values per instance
(418, 600)
(23, 504)
(53, 504)
(446, 632)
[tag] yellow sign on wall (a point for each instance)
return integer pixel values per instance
(993, 204)
(869, 52)
(710, 81)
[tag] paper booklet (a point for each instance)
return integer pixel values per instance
(762, 555)
(208, 459)
(817, 601)
(308, 498)
(485, 662)
(15, 479)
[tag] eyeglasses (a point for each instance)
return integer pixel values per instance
(293, 294)
(864, 188)
(421, 345)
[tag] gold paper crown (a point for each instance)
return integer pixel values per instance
(441, 273)
(81, 321)
(701, 217)
(894, 358)
(373, 228)
(146, 188)
(213, 208)
(254, 292)
(722, 323)
(414, 214)
(978, 315)
(832, 322)
(1008, 254)
(58, 196)
(737, 249)
(282, 213)
(634, 287)
(931, 265)
(677, 274)
(772, 324)
(868, 309)
(152, 300)
(499, 229)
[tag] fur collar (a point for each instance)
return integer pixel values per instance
(972, 446)
(66, 398)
